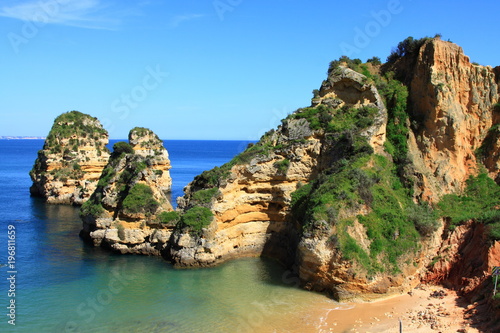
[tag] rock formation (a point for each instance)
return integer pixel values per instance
(318, 192)
(127, 210)
(344, 191)
(454, 104)
(251, 203)
(71, 161)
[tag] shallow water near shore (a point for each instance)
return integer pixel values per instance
(64, 285)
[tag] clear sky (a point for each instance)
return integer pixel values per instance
(204, 69)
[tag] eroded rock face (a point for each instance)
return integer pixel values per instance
(125, 211)
(252, 201)
(465, 257)
(73, 156)
(148, 145)
(453, 110)
(453, 101)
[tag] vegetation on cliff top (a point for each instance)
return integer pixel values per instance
(74, 124)
(70, 131)
(141, 132)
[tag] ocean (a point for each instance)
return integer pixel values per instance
(50, 281)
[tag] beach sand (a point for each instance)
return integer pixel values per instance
(425, 309)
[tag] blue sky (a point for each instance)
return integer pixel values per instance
(205, 69)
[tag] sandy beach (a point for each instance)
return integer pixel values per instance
(425, 309)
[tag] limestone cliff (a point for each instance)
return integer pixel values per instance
(72, 159)
(312, 194)
(251, 196)
(125, 211)
(344, 191)
(455, 118)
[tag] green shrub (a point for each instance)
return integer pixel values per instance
(408, 47)
(169, 218)
(396, 96)
(90, 208)
(375, 61)
(211, 178)
(121, 231)
(424, 218)
(106, 176)
(282, 166)
(496, 107)
(122, 147)
(261, 148)
(140, 200)
(480, 201)
(69, 124)
(196, 218)
(204, 196)
(488, 144)
(494, 231)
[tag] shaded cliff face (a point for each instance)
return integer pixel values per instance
(72, 159)
(125, 211)
(465, 257)
(464, 262)
(251, 196)
(453, 104)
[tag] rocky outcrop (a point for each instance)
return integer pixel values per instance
(74, 154)
(338, 191)
(127, 210)
(453, 104)
(251, 196)
(464, 262)
(465, 258)
(148, 145)
(453, 116)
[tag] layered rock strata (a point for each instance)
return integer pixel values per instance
(125, 213)
(333, 192)
(74, 154)
(252, 200)
(453, 106)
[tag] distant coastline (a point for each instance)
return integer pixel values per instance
(22, 137)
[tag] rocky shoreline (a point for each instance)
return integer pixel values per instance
(346, 192)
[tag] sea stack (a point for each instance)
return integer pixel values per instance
(128, 211)
(71, 161)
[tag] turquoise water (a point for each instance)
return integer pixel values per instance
(64, 285)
